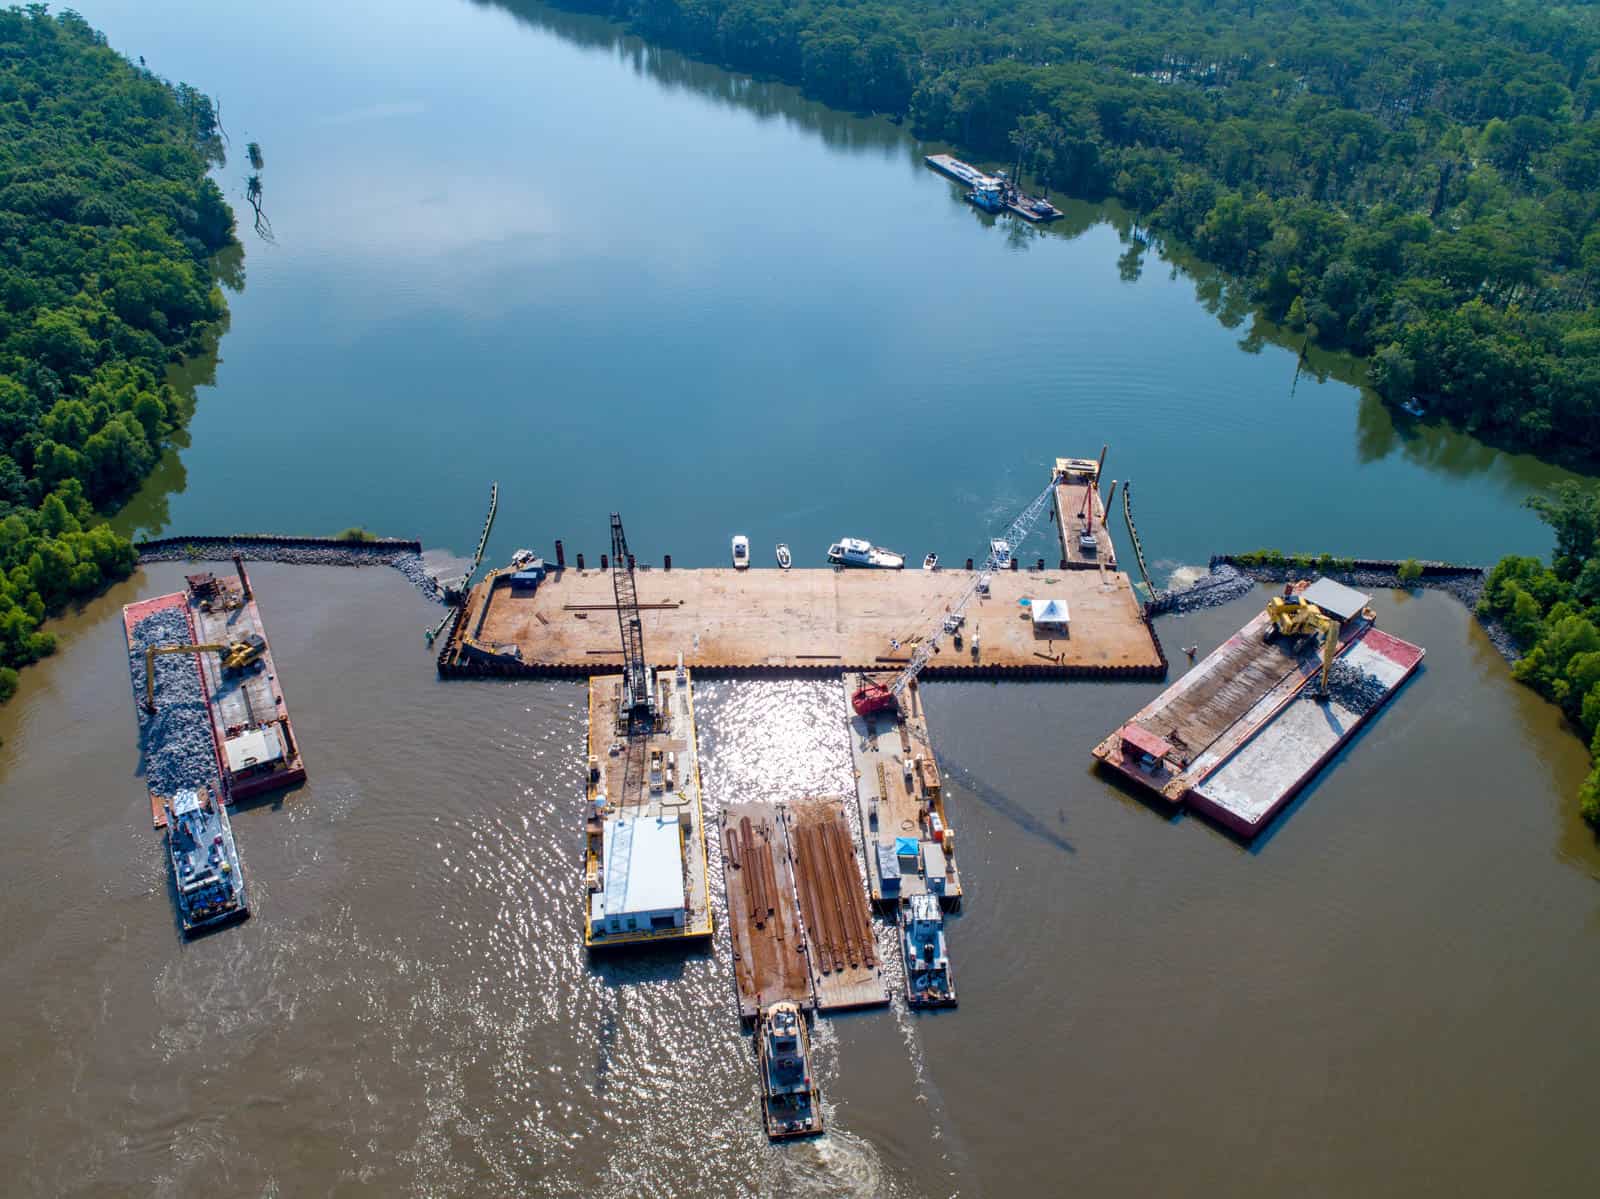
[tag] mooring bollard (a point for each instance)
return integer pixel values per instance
(580, 562)
(1013, 563)
(666, 561)
(561, 555)
(604, 564)
(1040, 566)
(969, 563)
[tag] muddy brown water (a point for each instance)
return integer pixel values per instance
(1391, 994)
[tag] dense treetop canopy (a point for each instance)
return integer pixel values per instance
(107, 226)
(1410, 180)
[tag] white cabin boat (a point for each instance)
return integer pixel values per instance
(1000, 551)
(853, 551)
(931, 562)
(741, 552)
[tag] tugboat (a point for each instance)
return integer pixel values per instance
(928, 979)
(788, 1097)
(853, 551)
(205, 862)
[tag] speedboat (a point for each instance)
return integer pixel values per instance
(853, 551)
(788, 1096)
(741, 552)
(931, 562)
(205, 862)
(784, 561)
(928, 979)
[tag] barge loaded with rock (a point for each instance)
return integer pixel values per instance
(1241, 733)
(211, 710)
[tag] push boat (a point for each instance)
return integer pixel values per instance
(741, 552)
(784, 560)
(205, 862)
(928, 979)
(789, 1100)
(853, 551)
(931, 562)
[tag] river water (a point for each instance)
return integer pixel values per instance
(476, 210)
(512, 244)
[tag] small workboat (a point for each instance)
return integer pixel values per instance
(741, 552)
(1000, 551)
(784, 561)
(205, 862)
(853, 551)
(789, 1100)
(928, 979)
(931, 562)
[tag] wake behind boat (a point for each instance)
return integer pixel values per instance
(853, 551)
(205, 862)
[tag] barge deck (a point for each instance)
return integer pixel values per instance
(645, 861)
(842, 950)
(769, 948)
(905, 828)
(259, 749)
(1080, 514)
(815, 622)
(1243, 731)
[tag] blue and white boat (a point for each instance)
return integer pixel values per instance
(205, 862)
(928, 979)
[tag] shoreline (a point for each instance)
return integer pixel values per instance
(1228, 578)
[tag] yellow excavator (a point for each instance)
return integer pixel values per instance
(1290, 616)
(237, 656)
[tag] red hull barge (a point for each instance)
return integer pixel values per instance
(1238, 736)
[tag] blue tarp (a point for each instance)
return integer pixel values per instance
(906, 847)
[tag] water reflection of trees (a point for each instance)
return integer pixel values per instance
(767, 99)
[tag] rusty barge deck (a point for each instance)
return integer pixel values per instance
(1239, 735)
(260, 751)
(1080, 516)
(769, 949)
(802, 622)
(842, 951)
(905, 827)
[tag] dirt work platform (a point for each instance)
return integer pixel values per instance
(806, 621)
(845, 970)
(769, 950)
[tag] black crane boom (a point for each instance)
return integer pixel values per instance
(635, 675)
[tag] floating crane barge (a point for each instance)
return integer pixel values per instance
(1244, 730)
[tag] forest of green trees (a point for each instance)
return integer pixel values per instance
(107, 226)
(1553, 613)
(1414, 181)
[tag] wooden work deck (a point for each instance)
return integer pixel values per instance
(1080, 510)
(769, 948)
(900, 794)
(803, 621)
(843, 952)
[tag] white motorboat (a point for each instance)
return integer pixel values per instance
(741, 552)
(784, 560)
(853, 551)
(931, 562)
(1000, 551)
